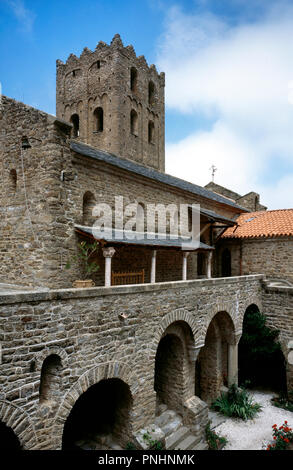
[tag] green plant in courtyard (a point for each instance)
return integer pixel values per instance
(282, 436)
(260, 354)
(237, 402)
(85, 255)
(153, 444)
(215, 442)
(284, 400)
(130, 446)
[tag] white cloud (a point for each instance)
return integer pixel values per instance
(239, 76)
(25, 17)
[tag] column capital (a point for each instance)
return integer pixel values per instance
(193, 352)
(109, 252)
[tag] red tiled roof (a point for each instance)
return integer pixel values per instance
(276, 223)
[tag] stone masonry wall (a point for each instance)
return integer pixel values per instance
(28, 197)
(278, 308)
(84, 328)
(270, 256)
(42, 199)
(104, 182)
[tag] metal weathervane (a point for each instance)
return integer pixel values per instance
(213, 170)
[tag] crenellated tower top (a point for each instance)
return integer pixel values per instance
(115, 102)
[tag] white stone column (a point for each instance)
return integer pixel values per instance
(209, 264)
(232, 364)
(108, 254)
(153, 267)
(184, 265)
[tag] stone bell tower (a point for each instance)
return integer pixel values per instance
(115, 102)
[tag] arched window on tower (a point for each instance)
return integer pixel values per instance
(151, 93)
(75, 122)
(151, 132)
(133, 122)
(133, 79)
(98, 120)
(256, 202)
(12, 181)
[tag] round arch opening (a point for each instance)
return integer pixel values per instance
(174, 367)
(261, 362)
(169, 372)
(212, 366)
(100, 418)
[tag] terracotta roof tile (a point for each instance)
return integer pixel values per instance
(276, 223)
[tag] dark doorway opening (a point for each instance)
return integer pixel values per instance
(261, 361)
(226, 263)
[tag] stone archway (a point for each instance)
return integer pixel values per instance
(107, 370)
(174, 366)
(169, 376)
(216, 365)
(261, 360)
(179, 315)
(100, 418)
(18, 423)
(174, 372)
(232, 310)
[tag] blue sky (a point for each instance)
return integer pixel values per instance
(229, 77)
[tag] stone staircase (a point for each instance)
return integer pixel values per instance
(178, 436)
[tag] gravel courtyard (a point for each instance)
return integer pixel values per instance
(254, 434)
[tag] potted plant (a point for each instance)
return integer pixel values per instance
(86, 251)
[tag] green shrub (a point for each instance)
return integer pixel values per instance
(130, 446)
(215, 442)
(85, 255)
(261, 360)
(236, 403)
(153, 444)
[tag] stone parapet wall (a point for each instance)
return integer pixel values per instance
(278, 308)
(85, 328)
